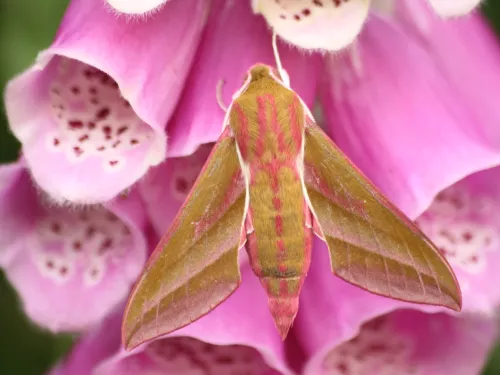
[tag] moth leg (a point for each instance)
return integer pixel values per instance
(313, 224)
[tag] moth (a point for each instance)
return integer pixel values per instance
(272, 180)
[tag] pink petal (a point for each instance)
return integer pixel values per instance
(70, 266)
(91, 112)
(410, 342)
(237, 337)
(15, 212)
(234, 41)
(396, 116)
(315, 24)
(166, 186)
(464, 222)
(101, 342)
(135, 6)
(462, 47)
(450, 8)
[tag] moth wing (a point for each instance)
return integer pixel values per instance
(371, 243)
(195, 266)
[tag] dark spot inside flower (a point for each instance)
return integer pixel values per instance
(78, 151)
(105, 79)
(56, 228)
(75, 90)
(474, 259)
(444, 233)
(121, 130)
(134, 141)
(207, 348)
(296, 17)
(116, 144)
(103, 113)
(75, 124)
(89, 73)
(317, 3)
(49, 264)
(113, 162)
(225, 360)
(63, 271)
(77, 246)
(457, 202)
(101, 148)
(342, 367)
(467, 236)
(83, 138)
(306, 12)
(56, 142)
(91, 125)
(181, 185)
(282, 16)
(376, 348)
(92, 90)
(111, 217)
(90, 232)
(106, 129)
(107, 243)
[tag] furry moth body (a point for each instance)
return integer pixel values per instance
(273, 180)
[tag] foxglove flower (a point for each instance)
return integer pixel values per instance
(166, 187)
(315, 24)
(464, 223)
(333, 25)
(410, 342)
(462, 47)
(400, 119)
(70, 266)
(91, 112)
(219, 343)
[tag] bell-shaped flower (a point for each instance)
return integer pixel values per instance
(70, 266)
(316, 24)
(333, 25)
(91, 112)
(409, 342)
(464, 223)
(218, 343)
(393, 111)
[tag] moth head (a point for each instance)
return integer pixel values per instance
(262, 71)
(261, 75)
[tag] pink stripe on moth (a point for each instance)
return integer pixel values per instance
(229, 198)
(261, 114)
(274, 122)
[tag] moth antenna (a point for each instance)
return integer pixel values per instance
(279, 65)
(218, 95)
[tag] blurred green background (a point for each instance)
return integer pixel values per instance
(27, 26)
